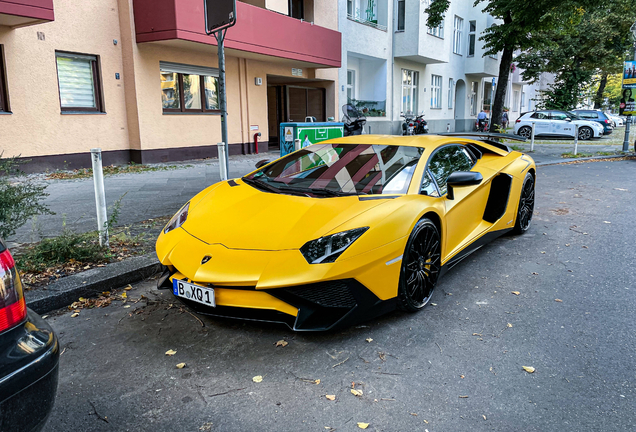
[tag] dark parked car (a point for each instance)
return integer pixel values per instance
(597, 116)
(29, 356)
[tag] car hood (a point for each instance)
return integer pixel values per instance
(242, 217)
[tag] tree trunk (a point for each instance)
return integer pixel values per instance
(598, 99)
(502, 84)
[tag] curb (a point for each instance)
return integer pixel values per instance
(564, 161)
(91, 282)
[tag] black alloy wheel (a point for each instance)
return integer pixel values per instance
(585, 133)
(525, 132)
(526, 206)
(421, 264)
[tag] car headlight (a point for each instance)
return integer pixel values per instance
(328, 249)
(178, 219)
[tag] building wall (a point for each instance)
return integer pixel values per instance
(36, 126)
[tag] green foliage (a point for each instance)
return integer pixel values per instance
(20, 199)
(67, 247)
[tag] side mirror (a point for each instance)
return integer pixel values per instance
(462, 178)
(262, 163)
(568, 119)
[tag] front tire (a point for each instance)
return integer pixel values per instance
(526, 206)
(421, 264)
(585, 133)
(525, 132)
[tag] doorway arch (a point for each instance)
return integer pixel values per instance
(460, 109)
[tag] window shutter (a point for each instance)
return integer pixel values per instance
(188, 69)
(75, 76)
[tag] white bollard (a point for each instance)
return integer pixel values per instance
(532, 138)
(222, 158)
(576, 138)
(296, 144)
(100, 196)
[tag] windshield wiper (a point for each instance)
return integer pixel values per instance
(326, 192)
(261, 184)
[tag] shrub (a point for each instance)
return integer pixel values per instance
(19, 200)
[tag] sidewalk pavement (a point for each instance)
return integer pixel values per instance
(161, 193)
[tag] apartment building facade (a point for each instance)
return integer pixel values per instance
(393, 63)
(139, 78)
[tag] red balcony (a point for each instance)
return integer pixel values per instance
(257, 31)
(18, 13)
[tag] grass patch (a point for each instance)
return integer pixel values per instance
(517, 148)
(112, 170)
(571, 155)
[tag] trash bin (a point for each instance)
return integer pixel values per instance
(307, 133)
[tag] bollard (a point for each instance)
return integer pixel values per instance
(100, 196)
(296, 144)
(222, 158)
(626, 139)
(576, 138)
(532, 138)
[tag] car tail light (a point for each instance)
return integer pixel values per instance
(607, 121)
(518, 120)
(12, 304)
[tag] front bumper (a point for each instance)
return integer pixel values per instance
(29, 357)
(317, 306)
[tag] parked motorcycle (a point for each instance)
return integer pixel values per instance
(481, 125)
(408, 125)
(421, 126)
(353, 120)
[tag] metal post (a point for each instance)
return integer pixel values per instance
(532, 138)
(222, 158)
(100, 196)
(626, 139)
(220, 38)
(576, 138)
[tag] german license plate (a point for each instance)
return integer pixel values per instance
(193, 292)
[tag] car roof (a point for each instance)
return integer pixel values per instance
(429, 141)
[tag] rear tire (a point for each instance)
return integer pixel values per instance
(420, 266)
(585, 133)
(526, 206)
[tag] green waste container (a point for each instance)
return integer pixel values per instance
(308, 133)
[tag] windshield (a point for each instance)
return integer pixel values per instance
(340, 169)
(573, 116)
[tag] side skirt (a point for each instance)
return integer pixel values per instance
(481, 241)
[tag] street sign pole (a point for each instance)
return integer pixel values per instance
(220, 38)
(626, 139)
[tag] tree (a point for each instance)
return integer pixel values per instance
(518, 21)
(588, 47)
(19, 200)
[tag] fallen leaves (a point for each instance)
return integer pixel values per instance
(558, 300)
(281, 343)
(356, 392)
(483, 416)
(258, 378)
(181, 365)
(463, 397)
(170, 352)
(528, 369)
(509, 325)
(330, 397)
(369, 340)
(75, 314)
(515, 292)
(362, 425)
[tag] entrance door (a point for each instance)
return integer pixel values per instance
(304, 101)
(460, 110)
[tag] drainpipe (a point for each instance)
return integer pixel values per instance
(256, 136)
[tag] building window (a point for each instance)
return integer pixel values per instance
(409, 91)
(350, 8)
(400, 14)
(189, 89)
(437, 31)
(451, 91)
(436, 91)
(523, 99)
(351, 85)
(296, 9)
(79, 82)
(458, 24)
(515, 100)
(4, 97)
(473, 98)
(472, 27)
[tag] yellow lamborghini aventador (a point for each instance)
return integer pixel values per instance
(344, 230)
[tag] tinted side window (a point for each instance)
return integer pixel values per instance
(446, 161)
(539, 115)
(556, 115)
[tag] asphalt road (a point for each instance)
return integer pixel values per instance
(455, 366)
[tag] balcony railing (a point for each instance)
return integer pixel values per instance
(366, 20)
(370, 108)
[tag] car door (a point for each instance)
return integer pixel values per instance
(541, 123)
(464, 213)
(559, 125)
